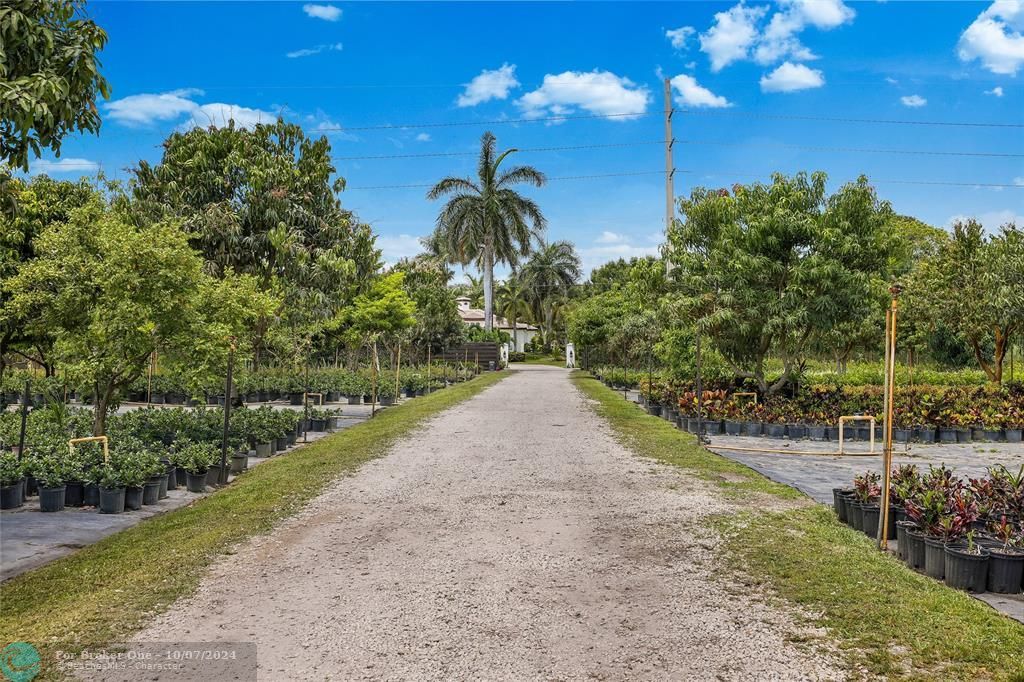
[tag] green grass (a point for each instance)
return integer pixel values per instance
(544, 360)
(886, 619)
(107, 590)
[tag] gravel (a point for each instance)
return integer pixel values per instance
(512, 537)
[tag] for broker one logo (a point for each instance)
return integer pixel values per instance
(19, 662)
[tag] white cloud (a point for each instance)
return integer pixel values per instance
(996, 91)
(891, 81)
(147, 108)
(598, 92)
(608, 237)
(310, 51)
(65, 165)
(913, 101)
(494, 84)
(598, 254)
(991, 220)
(1019, 181)
(995, 39)
(325, 12)
(732, 35)
(790, 77)
(690, 93)
(423, 137)
(218, 114)
(678, 36)
(738, 33)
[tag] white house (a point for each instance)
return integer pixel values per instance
(521, 335)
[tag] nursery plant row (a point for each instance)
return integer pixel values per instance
(266, 385)
(924, 413)
(968, 533)
(151, 451)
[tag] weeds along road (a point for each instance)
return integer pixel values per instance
(510, 538)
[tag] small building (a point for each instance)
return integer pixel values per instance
(521, 335)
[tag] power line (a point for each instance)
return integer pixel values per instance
(876, 181)
(495, 121)
(561, 177)
(838, 119)
(859, 150)
(518, 149)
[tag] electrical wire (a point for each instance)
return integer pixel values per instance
(838, 119)
(518, 149)
(495, 121)
(858, 150)
(561, 177)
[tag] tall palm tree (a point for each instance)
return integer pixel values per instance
(513, 303)
(486, 222)
(550, 274)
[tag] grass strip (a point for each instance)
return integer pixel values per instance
(106, 591)
(886, 619)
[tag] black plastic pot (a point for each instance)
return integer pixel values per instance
(171, 478)
(181, 475)
(354, 399)
(869, 520)
(775, 430)
(947, 434)
(893, 518)
(654, 410)
(901, 435)
(963, 435)
(31, 488)
(832, 433)
(926, 434)
(295, 398)
(263, 450)
(817, 432)
(751, 428)
(1005, 571)
(934, 557)
(966, 571)
(280, 444)
(914, 553)
(855, 515)
(837, 503)
(151, 491)
(321, 424)
(386, 401)
(12, 496)
(74, 494)
(196, 483)
(238, 463)
(133, 498)
(863, 432)
(52, 499)
(213, 475)
(333, 396)
(111, 500)
(1013, 435)
(901, 538)
(91, 495)
(849, 432)
(796, 431)
(992, 435)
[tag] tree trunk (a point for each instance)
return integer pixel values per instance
(99, 417)
(488, 289)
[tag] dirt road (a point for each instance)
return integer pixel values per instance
(511, 538)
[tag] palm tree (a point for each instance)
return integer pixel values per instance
(487, 222)
(550, 274)
(512, 303)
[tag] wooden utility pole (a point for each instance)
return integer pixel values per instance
(669, 165)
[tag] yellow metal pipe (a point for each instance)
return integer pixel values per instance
(713, 446)
(91, 439)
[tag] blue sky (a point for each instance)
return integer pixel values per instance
(738, 69)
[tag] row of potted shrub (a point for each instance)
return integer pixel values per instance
(151, 450)
(969, 534)
(260, 386)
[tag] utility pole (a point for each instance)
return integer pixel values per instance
(669, 165)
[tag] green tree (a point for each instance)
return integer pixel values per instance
(261, 202)
(111, 293)
(49, 76)
(383, 314)
(487, 222)
(438, 324)
(975, 286)
(766, 268)
(42, 202)
(549, 275)
(513, 303)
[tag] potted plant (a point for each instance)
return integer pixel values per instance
(867, 490)
(112, 490)
(1006, 561)
(196, 459)
(51, 473)
(12, 481)
(153, 469)
(967, 567)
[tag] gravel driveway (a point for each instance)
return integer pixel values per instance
(510, 538)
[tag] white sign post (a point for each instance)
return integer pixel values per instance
(504, 355)
(570, 356)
